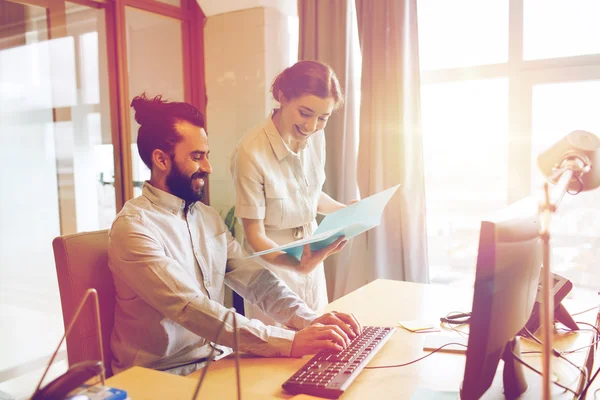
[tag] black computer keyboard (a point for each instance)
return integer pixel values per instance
(328, 374)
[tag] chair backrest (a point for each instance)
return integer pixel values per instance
(82, 263)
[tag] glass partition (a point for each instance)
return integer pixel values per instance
(56, 167)
(155, 61)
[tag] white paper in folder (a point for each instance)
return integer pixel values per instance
(348, 222)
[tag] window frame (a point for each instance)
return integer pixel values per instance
(522, 76)
(192, 18)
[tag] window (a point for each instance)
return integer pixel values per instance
(559, 108)
(462, 184)
(556, 28)
(462, 33)
(500, 83)
(61, 77)
(56, 135)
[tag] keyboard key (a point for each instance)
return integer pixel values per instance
(329, 374)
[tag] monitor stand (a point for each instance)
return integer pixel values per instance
(518, 381)
(513, 375)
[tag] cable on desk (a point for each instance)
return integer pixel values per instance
(593, 344)
(532, 337)
(589, 383)
(521, 361)
(455, 328)
(561, 355)
(456, 318)
(581, 348)
(592, 325)
(418, 359)
(578, 330)
(595, 331)
(560, 385)
(587, 386)
(584, 311)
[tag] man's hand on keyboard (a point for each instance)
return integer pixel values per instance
(347, 322)
(317, 337)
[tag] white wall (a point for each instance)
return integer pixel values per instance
(211, 8)
(155, 66)
(244, 51)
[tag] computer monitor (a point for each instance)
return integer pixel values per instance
(509, 261)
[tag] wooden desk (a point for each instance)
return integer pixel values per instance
(148, 384)
(381, 303)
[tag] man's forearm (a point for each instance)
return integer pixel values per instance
(271, 295)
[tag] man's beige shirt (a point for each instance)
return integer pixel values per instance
(170, 267)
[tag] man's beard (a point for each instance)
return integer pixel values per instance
(182, 186)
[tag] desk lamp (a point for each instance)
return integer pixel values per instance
(573, 165)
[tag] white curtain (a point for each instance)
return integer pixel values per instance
(391, 149)
(328, 33)
(388, 150)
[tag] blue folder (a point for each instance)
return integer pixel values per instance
(348, 222)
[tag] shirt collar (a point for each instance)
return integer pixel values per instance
(163, 199)
(280, 148)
